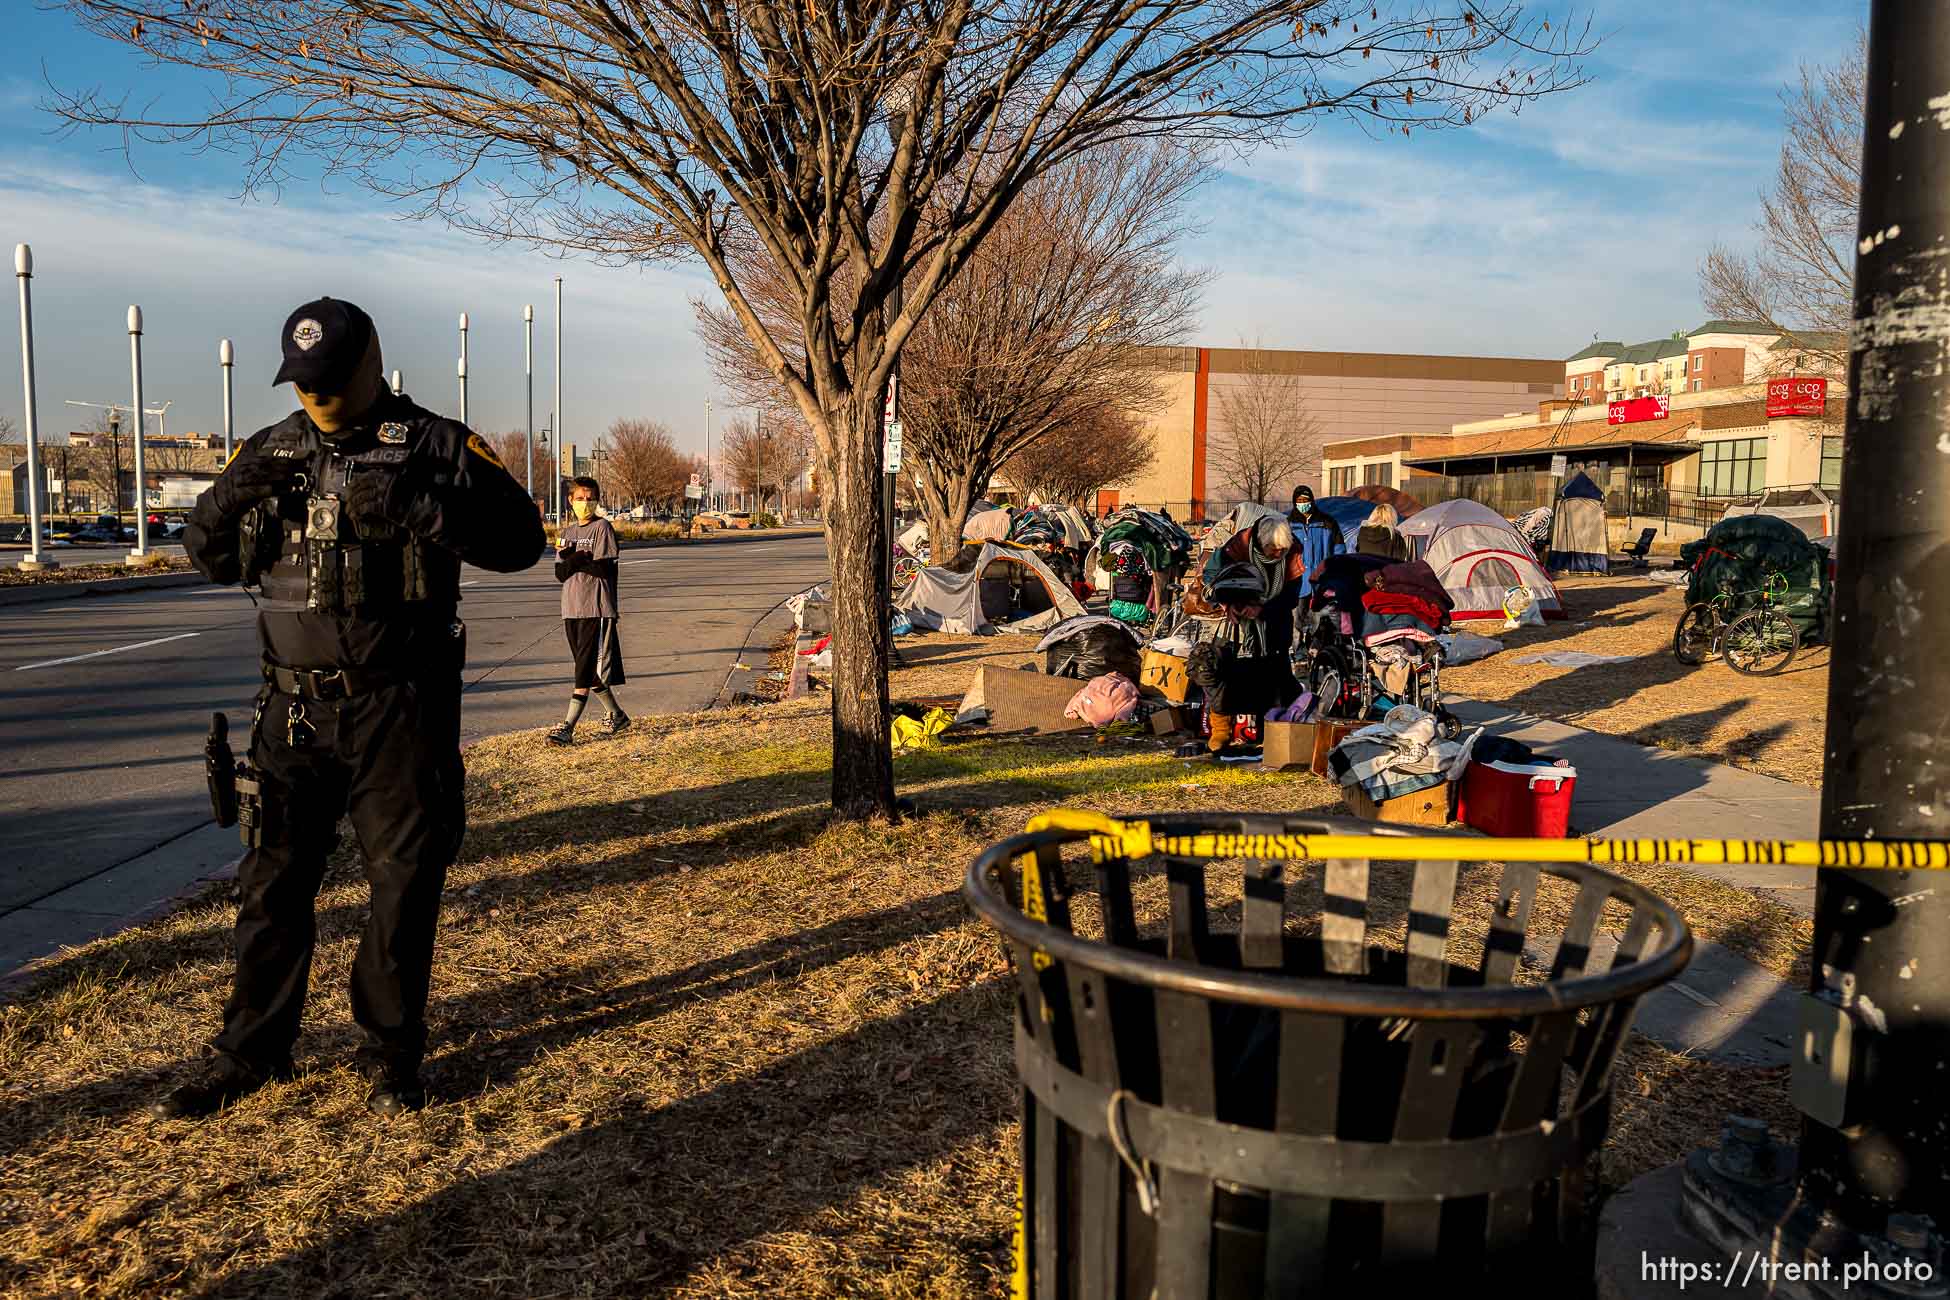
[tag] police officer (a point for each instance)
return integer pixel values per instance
(351, 518)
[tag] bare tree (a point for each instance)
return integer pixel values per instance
(1266, 436)
(179, 458)
(1096, 448)
(641, 463)
(1800, 278)
(8, 431)
(511, 447)
(1039, 329)
(641, 129)
(101, 463)
(763, 458)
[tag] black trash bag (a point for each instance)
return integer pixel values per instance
(1093, 652)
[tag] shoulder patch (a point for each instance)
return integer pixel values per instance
(235, 452)
(478, 445)
(392, 432)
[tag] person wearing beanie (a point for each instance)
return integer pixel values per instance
(1315, 536)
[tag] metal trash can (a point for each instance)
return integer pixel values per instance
(1226, 1094)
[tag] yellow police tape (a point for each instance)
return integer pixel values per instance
(1110, 837)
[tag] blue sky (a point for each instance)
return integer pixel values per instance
(1587, 213)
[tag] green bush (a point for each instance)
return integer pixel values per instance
(766, 520)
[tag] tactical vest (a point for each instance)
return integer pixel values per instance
(303, 552)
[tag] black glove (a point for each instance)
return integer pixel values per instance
(250, 480)
(376, 501)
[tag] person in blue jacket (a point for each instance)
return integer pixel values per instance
(1315, 536)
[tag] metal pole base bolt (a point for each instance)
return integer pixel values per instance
(1743, 1200)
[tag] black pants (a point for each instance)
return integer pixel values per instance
(390, 759)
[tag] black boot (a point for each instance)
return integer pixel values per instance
(215, 1084)
(396, 1085)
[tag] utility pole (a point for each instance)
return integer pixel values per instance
(1871, 1177)
(463, 368)
(399, 384)
(708, 476)
(141, 551)
(528, 370)
(24, 276)
(226, 360)
(1881, 936)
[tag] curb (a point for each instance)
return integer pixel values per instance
(39, 592)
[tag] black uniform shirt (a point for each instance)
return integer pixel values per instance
(451, 492)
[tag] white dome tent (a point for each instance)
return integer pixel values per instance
(1478, 555)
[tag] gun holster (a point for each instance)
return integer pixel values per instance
(236, 798)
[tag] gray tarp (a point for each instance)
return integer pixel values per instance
(941, 600)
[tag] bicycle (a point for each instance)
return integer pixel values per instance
(1758, 641)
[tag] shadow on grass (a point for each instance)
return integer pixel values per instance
(645, 1197)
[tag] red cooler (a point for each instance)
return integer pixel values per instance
(1517, 800)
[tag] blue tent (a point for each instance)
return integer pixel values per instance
(1348, 514)
(1578, 539)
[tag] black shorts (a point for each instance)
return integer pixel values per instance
(597, 653)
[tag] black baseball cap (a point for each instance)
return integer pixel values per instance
(324, 341)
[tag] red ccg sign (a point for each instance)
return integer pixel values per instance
(1796, 397)
(1637, 409)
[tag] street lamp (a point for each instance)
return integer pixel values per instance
(528, 370)
(24, 275)
(399, 384)
(226, 358)
(463, 367)
(555, 416)
(141, 551)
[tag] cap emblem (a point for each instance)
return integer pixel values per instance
(307, 333)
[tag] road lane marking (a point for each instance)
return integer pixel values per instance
(652, 560)
(116, 650)
(470, 582)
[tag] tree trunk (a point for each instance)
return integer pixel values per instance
(856, 548)
(945, 497)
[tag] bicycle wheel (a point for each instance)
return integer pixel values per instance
(1760, 642)
(905, 570)
(1692, 640)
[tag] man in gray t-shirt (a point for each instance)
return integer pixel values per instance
(585, 565)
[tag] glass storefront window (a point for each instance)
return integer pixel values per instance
(1734, 468)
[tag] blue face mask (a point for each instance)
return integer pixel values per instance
(1304, 507)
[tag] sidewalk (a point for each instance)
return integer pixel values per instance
(1724, 1008)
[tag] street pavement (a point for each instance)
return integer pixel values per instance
(104, 703)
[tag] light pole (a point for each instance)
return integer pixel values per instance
(708, 503)
(528, 370)
(399, 384)
(24, 275)
(463, 367)
(141, 551)
(555, 416)
(227, 359)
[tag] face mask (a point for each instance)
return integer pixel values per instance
(583, 509)
(1304, 507)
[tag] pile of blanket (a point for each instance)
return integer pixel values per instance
(1405, 597)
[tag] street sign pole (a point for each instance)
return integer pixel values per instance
(463, 367)
(24, 276)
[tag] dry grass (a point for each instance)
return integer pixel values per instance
(1769, 724)
(74, 570)
(688, 1038)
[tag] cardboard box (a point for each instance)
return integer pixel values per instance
(1326, 736)
(1428, 807)
(1164, 674)
(1020, 701)
(1287, 745)
(1173, 719)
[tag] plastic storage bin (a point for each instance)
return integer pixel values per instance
(1517, 800)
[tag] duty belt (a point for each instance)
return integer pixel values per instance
(327, 683)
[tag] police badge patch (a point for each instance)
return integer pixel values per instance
(392, 432)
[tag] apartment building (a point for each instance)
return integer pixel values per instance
(1715, 354)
